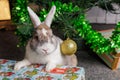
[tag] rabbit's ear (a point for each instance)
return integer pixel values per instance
(50, 16)
(35, 19)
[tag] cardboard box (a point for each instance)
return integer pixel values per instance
(37, 72)
(4, 10)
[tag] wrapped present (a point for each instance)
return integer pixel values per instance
(37, 72)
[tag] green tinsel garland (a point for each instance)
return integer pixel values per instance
(21, 18)
(97, 42)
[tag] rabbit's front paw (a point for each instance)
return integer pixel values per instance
(50, 66)
(21, 64)
(17, 66)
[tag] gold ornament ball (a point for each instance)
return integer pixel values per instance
(68, 47)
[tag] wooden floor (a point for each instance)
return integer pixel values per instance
(7, 25)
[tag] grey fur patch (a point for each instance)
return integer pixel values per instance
(33, 44)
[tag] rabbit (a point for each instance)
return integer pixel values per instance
(44, 46)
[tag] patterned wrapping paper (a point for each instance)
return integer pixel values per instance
(37, 72)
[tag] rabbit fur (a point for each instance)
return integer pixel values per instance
(44, 46)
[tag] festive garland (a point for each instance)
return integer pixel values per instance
(97, 42)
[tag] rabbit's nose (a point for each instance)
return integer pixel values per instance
(45, 50)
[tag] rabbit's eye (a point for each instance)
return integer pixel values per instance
(36, 37)
(47, 33)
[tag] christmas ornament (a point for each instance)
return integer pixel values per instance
(68, 47)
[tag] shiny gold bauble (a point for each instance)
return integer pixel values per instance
(68, 47)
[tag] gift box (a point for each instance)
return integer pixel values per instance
(37, 72)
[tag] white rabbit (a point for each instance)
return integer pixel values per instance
(44, 47)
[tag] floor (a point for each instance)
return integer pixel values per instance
(95, 68)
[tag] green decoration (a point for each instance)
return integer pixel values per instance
(115, 38)
(21, 18)
(97, 42)
(20, 7)
(70, 18)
